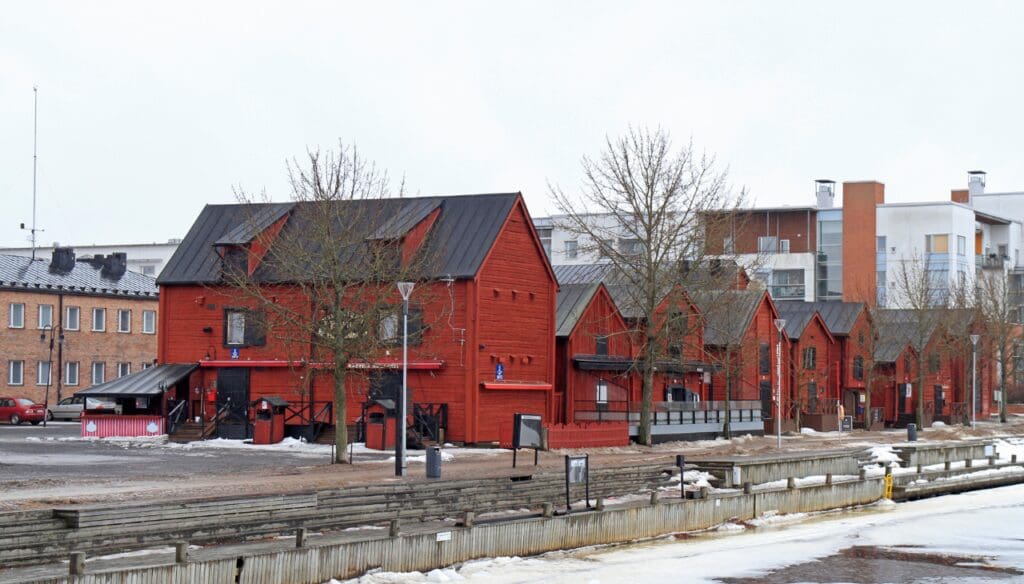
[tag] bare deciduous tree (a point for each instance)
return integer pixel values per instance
(999, 319)
(924, 296)
(324, 279)
(641, 207)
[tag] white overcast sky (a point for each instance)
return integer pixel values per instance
(149, 112)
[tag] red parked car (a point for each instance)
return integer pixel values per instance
(17, 410)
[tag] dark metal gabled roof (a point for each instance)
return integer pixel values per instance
(85, 277)
(727, 314)
(458, 242)
(796, 319)
(262, 217)
(573, 300)
(583, 273)
(839, 317)
(152, 381)
(408, 217)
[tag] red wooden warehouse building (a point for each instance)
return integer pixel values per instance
(487, 304)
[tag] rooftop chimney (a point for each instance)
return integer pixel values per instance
(826, 192)
(976, 182)
(114, 265)
(63, 260)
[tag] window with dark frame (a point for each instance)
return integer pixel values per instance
(764, 359)
(601, 345)
(244, 327)
(858, 368)
(933, 363)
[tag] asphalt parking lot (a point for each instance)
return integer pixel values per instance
(58, 452)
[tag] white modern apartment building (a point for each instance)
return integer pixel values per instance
(856, 250)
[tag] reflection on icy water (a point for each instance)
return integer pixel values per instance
(873, 565)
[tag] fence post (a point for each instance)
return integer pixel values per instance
(920, 468)
(705, 492)
(76, 567)
(300, 537)
(791, 483)
(863, 474)
(548, 509)
(654, 497)
(748, 487)
(968, 463)
(181, 552)
(600, 503)
(828, 478)
(949, 464)
(393, 528)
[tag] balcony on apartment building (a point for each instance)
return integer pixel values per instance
(992, 261)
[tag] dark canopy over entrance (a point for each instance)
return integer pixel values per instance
(146, 383)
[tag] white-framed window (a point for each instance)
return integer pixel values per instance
(880, 244)
(767, 244)
(149, 322)
(124, 320)
(146, 365)
(961, 245)
(16, 316)
(71, 373)
(16, 372)
(45, 316)
(149, 270)
(99, 320)
(601, 391)
(572, 249)
(124, 369)
(99, 372)
(235, 334)
(783, 246)
(72, 318)
(388, 330)
(43, 373)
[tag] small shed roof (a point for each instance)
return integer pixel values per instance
(148, 382)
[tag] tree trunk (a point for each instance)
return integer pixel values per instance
(727, 427)
(867, 399)
(920, 393)
(340, 407)
(647, 391)
(1002, 386)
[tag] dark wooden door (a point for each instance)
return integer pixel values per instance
(766, 400)
(901, 398)
(233, 394)
(940, 401)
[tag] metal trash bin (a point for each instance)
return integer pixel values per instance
(911, 432)
(433, 462)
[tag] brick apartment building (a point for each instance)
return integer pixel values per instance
(98, 318)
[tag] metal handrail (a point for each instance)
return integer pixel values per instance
(174, 418)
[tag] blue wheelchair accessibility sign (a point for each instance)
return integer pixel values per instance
(499, 372)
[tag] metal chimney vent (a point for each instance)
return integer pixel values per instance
(825, 191)
(976, 182)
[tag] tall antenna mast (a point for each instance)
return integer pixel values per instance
(35, 141)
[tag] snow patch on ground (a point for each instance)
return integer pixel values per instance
(773, 517)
